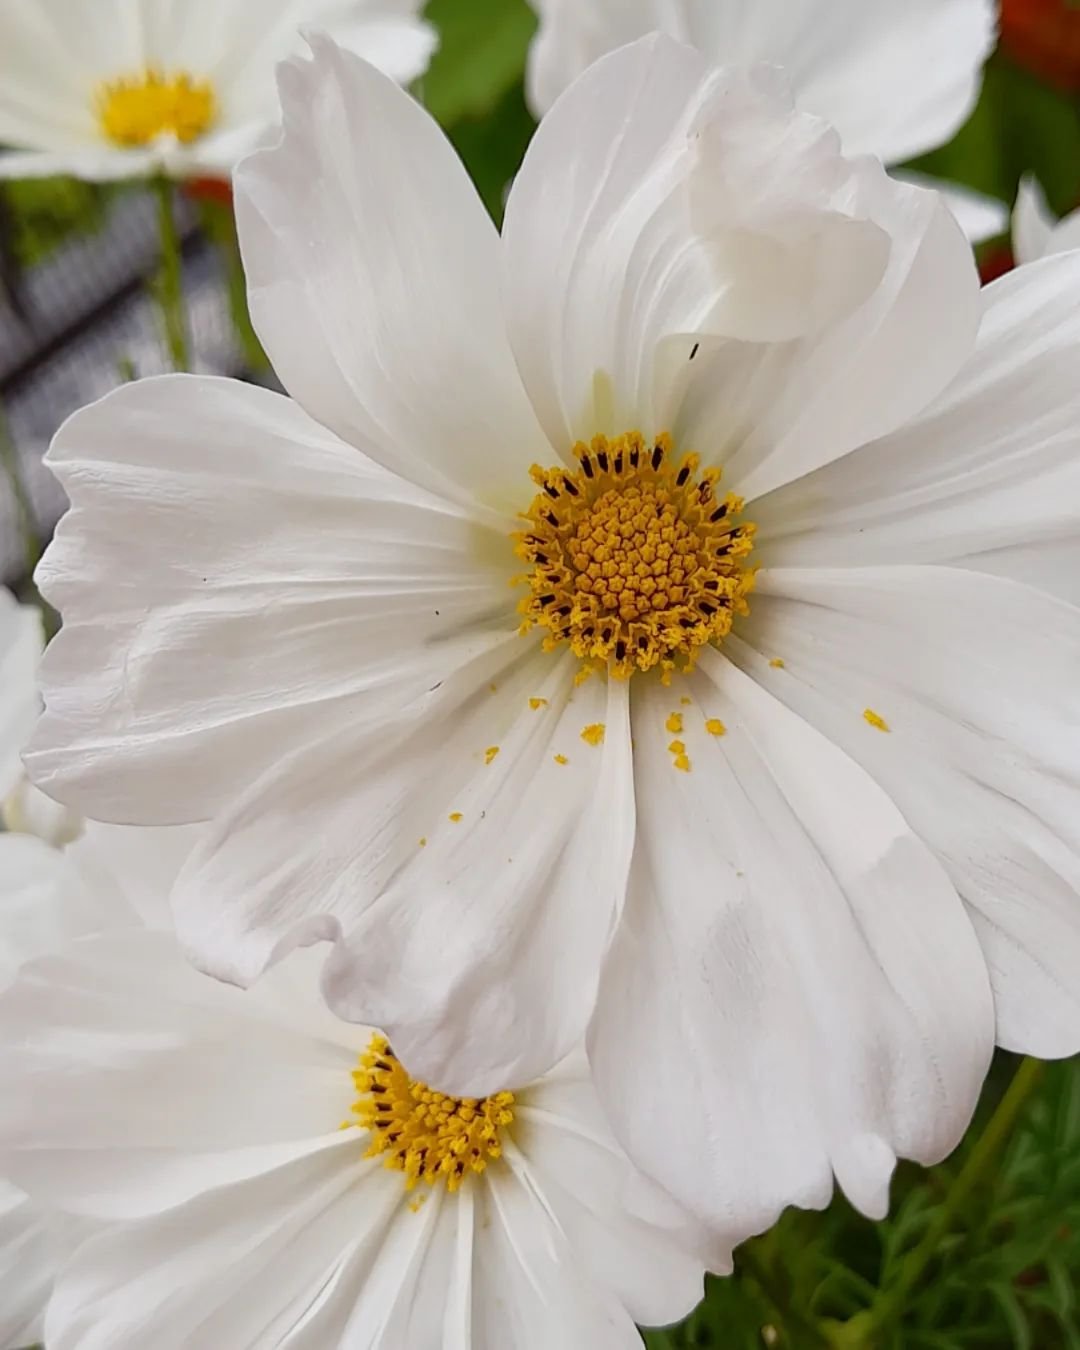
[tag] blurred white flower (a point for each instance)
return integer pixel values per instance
(282, 1183)
(778, 888)
(109, 89)
(49, 896)
(1037, 232)
(896, 80)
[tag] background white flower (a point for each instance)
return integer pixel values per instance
(209, 1122)
(106, 89)
(1037, 232)
(781, 888)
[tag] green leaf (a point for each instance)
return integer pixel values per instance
(481, 55)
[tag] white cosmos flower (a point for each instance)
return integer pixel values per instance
(109, 89)
(108, 877)
(211, 1123)
(779, 887)
(1037, 232)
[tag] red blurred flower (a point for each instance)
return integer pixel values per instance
(995, 263)
(1043, 36)
(216, 190)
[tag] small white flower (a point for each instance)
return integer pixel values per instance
(777, 888)
(1037, 232)
(108, 877)
(110, 89)
(283, 1185)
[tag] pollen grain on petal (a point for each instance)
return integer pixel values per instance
(455, 816)
(427, 1135)
(593, 734)
(537, 703)
(490, 753)
(715, 727)
(560, 759)
(674, 723)
(875, 720)
(777, 663)
(636, 561)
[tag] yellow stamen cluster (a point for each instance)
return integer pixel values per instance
(137, 110)
(635, 561)
(425, 1134)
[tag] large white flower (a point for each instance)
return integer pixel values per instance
(107, 877)
(895, 80)
(211, 1123)
(1037, 232)
(778, 886)
(107, 89)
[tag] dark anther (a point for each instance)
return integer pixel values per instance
(618, 462)
(586, 464)
(378, 1088)
(706, 608)
(718, 514)
(551, 518)
(545, 599)
(568, 483)
(683, 475)
(657, 457)
(602, 459)
(711, 585)
(552, 492)
(564, 610)
(634, 457)
(620, 650)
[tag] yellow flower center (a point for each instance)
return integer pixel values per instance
(425, 1134)
(137, 110)
(636, 562)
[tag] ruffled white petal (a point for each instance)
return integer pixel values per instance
(273, 578)
(976, 678)
(896, 80)
(34, 1244)
(375, 291)
(1037, 232)
(979, 216)
(142, 1083)
(795, 989)
(469, 878)
(988, 476)
(21, 642)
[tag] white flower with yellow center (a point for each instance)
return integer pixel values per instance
(632, 623)
(281, 1181)
(896, 80)
(60, 879)
(109, 89)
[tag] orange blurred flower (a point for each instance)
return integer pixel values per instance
(1043, 36)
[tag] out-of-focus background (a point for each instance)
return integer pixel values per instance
(78, 262)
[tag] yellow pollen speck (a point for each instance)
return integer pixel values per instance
(636, 562)
(715, 727)
(455, 816)
(677, 748)
(593, 734)
(493, 687)
(682, 762)
(423, 843)
(537, 703)
(490, 753)
(674, 723)
(561, 759)
(427, 1135)
(141, 109)
(418, 1204)
(875, 719)
(777, 663)
(685, 702)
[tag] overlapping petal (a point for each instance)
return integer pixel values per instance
(20, 650)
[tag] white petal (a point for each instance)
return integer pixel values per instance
(795, 989)
(988, 476)
(375, 291)
(136, 1082)
(94, 164)
(246, 1265)
(1037, 232)
(660, 199)
(976, 677)
(445, 927)
(567, 1151)
(34, 1244)
(273, 578)
(896, 80)
(979, 216)
(20, 650)
(132, 868)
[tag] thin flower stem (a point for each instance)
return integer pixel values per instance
(170, 285)
(24, 510)
(865, 1330)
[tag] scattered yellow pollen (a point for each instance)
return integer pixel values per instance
(561, 759)
(715, 727)
(682, 762)
(418, 1204)
(455, 816)
(537, 703)
(875, 719)
(685, 702)
(427, 1135)
(423, 843)
(493, 687)
(593, 734)
(490, 753)
(674, 723)
(636, 562)
(777, 663)
(140, 109)
(677, 748)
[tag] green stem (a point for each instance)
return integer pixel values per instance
(865, 1329)
(24, 510)
(170, 285)
(797, 1328)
